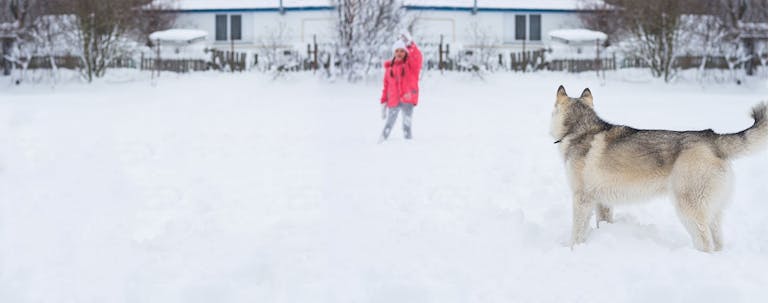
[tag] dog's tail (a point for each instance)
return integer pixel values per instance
(748, 140)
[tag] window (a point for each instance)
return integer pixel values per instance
(236, 26)
(221, 27)
(535, 27)
(520, 27)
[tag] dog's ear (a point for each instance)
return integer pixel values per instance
(586, 97)
(561, 94)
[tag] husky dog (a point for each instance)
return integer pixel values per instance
(609, 164)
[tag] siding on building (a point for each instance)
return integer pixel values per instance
(456, 24)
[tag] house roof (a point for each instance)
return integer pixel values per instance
(179, 35)
(560, 5)
(8, 29)
(255, 5)
(755, 30)
(461, 5)
(577, 35)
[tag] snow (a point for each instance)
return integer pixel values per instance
(220, 187)
(178, 35)
(241, 4)
(7, 29)
(756, 30)
(260, 4)
(577, 35)
(503, 4)
(178, 44)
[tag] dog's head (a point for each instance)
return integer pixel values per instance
(566, 106)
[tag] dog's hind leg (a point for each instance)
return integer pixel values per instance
(722, 194)
(715, 226)
(583, 205)
(700, 182)
(698, 229)
(695, 221)
(604, 214)
(693, 207)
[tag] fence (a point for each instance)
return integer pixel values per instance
(533, 60)
(523, 61)
(174, 65)
(441, 59)
(71, 62)
(234, 60)
(581, 65)
(219, 60)
(688, 62)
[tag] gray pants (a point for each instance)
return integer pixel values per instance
(407, 109)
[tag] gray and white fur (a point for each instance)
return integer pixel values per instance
(609, 164)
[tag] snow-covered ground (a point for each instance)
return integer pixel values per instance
(219, 187)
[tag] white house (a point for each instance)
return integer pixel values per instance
(246, 24)
(512, 24)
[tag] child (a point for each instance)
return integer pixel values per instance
(401, 85)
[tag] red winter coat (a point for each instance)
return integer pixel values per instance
(401, 79)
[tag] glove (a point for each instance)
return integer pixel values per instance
(383, 111)
(405, 36)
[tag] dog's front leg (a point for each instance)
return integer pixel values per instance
(604, 213)
(582, 212)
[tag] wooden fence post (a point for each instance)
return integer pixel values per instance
(440, 54)
(314, 53)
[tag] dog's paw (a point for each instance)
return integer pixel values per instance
(575, 242)
(577, 239)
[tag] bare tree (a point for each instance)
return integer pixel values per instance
(17, 13)
(655, 26)
(52, 36)
(739, 20)
(15, 25)
(650, 29)
(152, 17)
(108, 29)
(656, 29)
(704, 35)
(604, 17)
(364, 30)
(102, 30)
(736, 12)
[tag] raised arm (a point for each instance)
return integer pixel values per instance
(414, 57)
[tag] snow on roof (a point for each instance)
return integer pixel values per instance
(754, 30)
(240, 4)
(461, 4)
(504, 4)
(178, 35)
(7, 29)
(577, 35)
